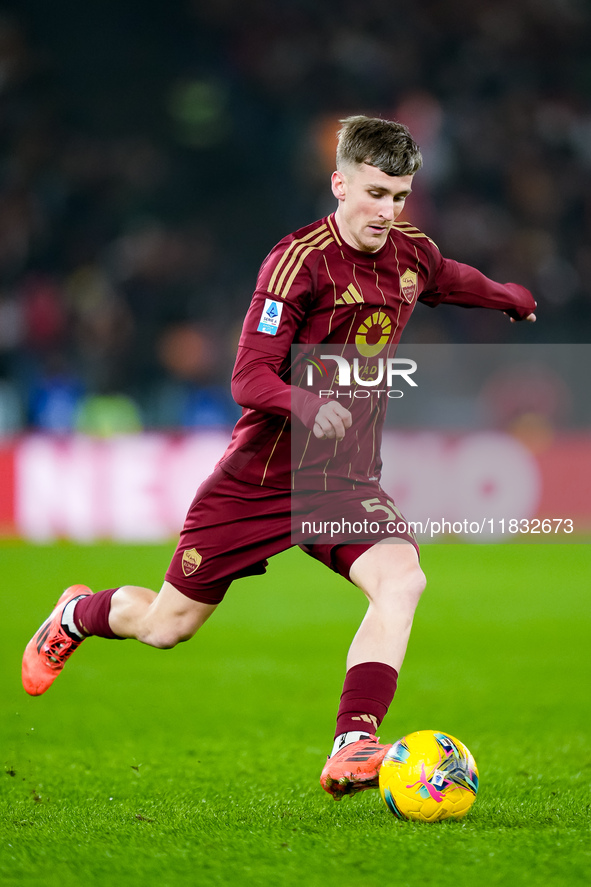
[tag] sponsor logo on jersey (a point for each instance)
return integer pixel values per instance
(191, 561)
(373, 334)
(270, 317)
(409, 285)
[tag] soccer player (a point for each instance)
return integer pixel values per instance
(351, 279)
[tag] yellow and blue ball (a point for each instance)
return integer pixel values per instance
(429, 776)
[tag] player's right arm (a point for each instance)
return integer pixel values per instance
(331, 421)
(257, 385)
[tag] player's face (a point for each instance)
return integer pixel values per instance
(370, 201)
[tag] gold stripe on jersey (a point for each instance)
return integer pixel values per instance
(401, 302)
(286, 288)
(293, 259)
(334, 291)
(411, 231)
(293, 246)
(375, 271)
(290, 255)
(333, 229)
(331, 383)
(273, 450)
(358, 289)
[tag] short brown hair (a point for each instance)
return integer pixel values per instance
(385, 144)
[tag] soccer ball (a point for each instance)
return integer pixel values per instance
(428, 776)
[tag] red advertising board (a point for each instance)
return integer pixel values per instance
(138, 487)
(7, 509)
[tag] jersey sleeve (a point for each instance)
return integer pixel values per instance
(256, 385)
(455, 283)
(270, 328)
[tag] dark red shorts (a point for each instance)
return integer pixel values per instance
(232, 528)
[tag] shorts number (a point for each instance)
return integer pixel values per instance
(393, 514)
(376, 505)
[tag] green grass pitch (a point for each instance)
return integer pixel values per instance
(200, 765)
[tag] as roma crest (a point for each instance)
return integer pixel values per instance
(409, 285)
(191, 561)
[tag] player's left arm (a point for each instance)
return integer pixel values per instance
(455, 283)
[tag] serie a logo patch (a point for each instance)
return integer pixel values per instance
(269, 322)
(191, 561)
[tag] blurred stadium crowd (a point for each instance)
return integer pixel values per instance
(151, 154)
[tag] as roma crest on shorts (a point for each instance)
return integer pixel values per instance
(191, 561)
(409, 285)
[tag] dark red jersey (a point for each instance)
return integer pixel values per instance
(312, 289)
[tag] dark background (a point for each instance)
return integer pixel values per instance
(152, 153)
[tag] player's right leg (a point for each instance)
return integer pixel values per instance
(159, 620)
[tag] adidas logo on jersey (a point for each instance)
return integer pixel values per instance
(351, 296)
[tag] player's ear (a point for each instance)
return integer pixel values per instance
(339, 185)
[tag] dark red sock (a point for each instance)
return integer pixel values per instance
(367, 693)
(91, 615)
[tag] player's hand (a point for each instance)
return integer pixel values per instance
(530, 317)
(332, 421)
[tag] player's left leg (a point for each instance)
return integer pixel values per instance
(160, 620)
(390, 576)
(230, 530)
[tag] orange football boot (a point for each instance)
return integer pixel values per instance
(46, 653)
(354, 768)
